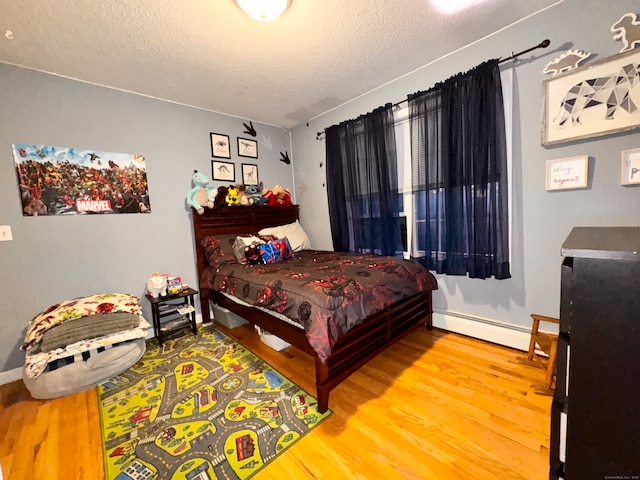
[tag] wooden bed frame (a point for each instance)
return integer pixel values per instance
(352, 350)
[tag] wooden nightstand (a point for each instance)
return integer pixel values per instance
(173, 312)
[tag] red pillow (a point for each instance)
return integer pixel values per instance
(218, 249)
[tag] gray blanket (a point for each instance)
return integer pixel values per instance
(83, 328)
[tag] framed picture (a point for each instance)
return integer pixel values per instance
(220, 145)
(223, 171)
(597, 99)
(247, 148)
(566, 173)
(630, 167)
(69, 194)
(250, 174)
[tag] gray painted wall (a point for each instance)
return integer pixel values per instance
(542, 219)
(60, 257)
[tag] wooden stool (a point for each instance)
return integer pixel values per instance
(546, 342)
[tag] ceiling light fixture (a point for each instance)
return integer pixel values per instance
(264, 10)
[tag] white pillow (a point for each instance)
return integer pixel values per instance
(298, 238)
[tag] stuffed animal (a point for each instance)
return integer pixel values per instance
(201, 195)
(255, 192)
(157, 285)
(278, 196)
(221, 197)
(243, 197)
(253, 255)
(232, 196)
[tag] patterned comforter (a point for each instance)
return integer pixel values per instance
(327, 293)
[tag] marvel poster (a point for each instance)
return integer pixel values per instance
(69, 181)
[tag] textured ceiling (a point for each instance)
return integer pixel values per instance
(209, 54)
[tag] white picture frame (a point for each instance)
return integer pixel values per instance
(630, 167)
(566, 173)
(573, 109)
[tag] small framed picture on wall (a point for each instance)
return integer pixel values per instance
(247, 148)
(630, 167)
(249, 174)
(223, 171)
(220, 146)
(567, 173)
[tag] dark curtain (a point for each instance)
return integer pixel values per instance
(362, 184)
(459, 175)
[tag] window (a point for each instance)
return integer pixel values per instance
(419, 219)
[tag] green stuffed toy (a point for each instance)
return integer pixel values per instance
(201, 195)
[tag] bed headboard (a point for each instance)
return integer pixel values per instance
(239, 219)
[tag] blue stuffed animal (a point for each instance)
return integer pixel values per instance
(201, 195)
(255, 192)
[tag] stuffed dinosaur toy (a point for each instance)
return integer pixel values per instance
(201, 195)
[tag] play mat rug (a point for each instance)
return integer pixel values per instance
(200, 407)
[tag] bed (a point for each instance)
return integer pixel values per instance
(349, 347)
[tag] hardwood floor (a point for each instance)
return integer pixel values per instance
(436, 405)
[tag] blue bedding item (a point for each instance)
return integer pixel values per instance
(276, 250)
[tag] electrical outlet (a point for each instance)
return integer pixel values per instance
(5, 233)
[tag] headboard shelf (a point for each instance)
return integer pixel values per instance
(237, 219)
(242, 219)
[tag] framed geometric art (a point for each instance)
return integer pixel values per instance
(597, 99)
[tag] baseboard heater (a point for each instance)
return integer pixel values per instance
(502, 333)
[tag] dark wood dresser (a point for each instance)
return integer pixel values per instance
(595, 415)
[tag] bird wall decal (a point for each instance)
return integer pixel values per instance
(249, 129)
(285, 157)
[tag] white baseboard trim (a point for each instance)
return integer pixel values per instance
(10, 376)
(502, 333)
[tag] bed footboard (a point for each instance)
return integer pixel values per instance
(354, 349)
(367, 340)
